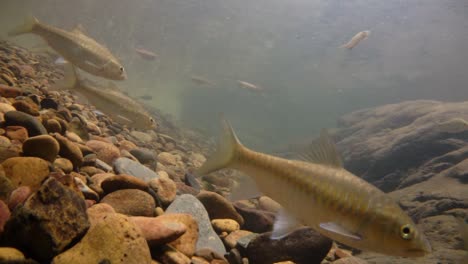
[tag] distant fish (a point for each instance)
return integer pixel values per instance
(199, 80)
(320, 193)
(146, 54)
(110, 101)
(356, 39)
(77, 48)
(453, 126)
(146, 97)
(249, 86)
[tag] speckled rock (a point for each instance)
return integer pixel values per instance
(119, 182)
(26, 171)
(224, 225)
(19, 196)
(17, 118)
(130, 167)
(258, 221)
(106, 152)
(43, 146)
(114, 239)
(188, 241)
(131, 202)
(208, 238)
(16, 132)
(4, 215)
(232, 238)
(157, 230)
(302, 246)
(53, 229)
(165, 188)
(11, 255)
(97, 212)
(219, 207)
(69, 150)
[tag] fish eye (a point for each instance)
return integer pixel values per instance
(406, 232)
(121, 69)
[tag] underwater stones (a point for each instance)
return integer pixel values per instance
(191, 181)
(11, 255)
(63, 164)
(43, 146)
(188, 204)
(170, 255)
(165, 188)
(26, 107)
(349, 260)
(48, 103)
(197, 159)
(167, 158)
(53, 126)
(4, 215)
(131, 202)
(69, 150)
(26, 171)
(17, 118)
(106, 152)
(157, 230)
(219, 207)
(6, 187)
(255, 220)
(16, 133)
(144, 156)
(224, 225)
(55, 215)
(127, 145)
(303, 246)
(114, 239)
(141, 136)
(268, 204)
(19, 196)
(231, 239)
(134, 168)
(119, 182)
(97, 212)
(9, 91)
(187, 242)
(4, 107)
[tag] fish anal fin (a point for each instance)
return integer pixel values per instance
(338, 229)
(322, 151)
(284, 225)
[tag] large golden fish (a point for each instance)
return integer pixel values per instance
(321, 194)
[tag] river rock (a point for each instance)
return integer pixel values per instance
(187, 243)
(188, 204)
(167, 158)
(97, 212)
(268, 204)
(302, 246)
(165, 188)
(16, 133)
(144, 156)
(114, 239)
(26, 107)
(106, 152)
(119, 182)
(54, 229)
(157, 230)
(26, 171)
(4, 107)
(43, 146)
(17, 118)
(19, 196)
(4, 215)
(53, 126)
(6, 187)
(131, 202)
(258, 221)
(219, 207)
(224, 225)
(11, 255)
(169, 255)
(232, 238)
(63, 164)
(69, 150)
(134, 168)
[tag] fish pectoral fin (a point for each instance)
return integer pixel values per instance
(337, 229)
(246, 188)
(322, 151)
(284, 225)
(79, 29)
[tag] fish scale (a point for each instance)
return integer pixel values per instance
(321, 194)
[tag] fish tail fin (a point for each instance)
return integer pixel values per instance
(227, 150)
(26, 27)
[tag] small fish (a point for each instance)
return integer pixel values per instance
(110, 101)
(199, 80)
(249, 86)
(77, 48)
(146, 54)
(356, 39)
(453, 126)
(320, 193)
(146, 97)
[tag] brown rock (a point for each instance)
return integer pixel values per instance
(64, 164)
(16, 132)
(6, 187)
(106, 152)
(122, 181)
(157, 230)
(98, 211)
(219, 207)
(19, 196)
(350, 260)
(9, 92)
(165, 188)
(169, 255)
(167, 158)
(232, 238)
(127, 145)
(55, 216)
(91, 170)
(11, 255)
(114, 239)
(4, 107)
(26, 107)
(188, 241)
(69, 150)
(268, 204)
(4, 215)
(131, 202)
(42, 146)
(53, 126)
(26, 171)
(255, 220)
(224, 225)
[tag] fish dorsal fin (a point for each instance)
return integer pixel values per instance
(79, 29)
(322, 151)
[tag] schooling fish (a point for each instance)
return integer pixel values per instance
(249, 86)
(110, 101)
(77, 48)
(321, 194)
(199, 80)
(356, 39)
(146, 54)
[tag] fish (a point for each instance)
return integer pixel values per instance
(146, 97)
(199, 80)
(318, 192)
(356, 39)
(249, 86)
(77, 48)
(452, 126)
(109, 100)
(146, 54)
